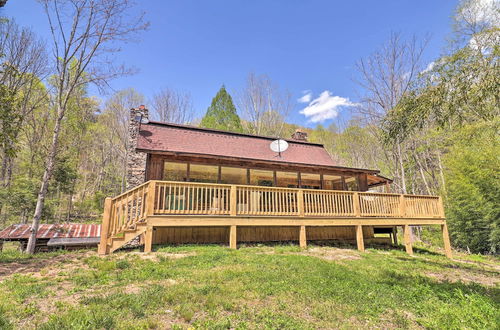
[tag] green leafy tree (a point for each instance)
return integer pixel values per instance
(8, 119)
(473, 179)
(222, 113)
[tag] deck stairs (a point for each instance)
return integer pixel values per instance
(126, 236)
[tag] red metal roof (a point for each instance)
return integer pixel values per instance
(194, 140)
(67, 230)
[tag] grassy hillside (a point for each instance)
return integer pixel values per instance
(253, 287)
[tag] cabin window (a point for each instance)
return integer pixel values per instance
(332, 182)
(310, 181)
(261, 178)
(203, 173)
(351, 183)
(175, 171)
(233, 175)
(287, 179)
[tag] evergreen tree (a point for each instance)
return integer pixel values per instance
(222, 113)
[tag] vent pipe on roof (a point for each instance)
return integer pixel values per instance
(299, 135)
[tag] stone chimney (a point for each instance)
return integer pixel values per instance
(136, 161)
(299, 135)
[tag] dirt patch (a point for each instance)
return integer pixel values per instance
(466, 277)
(155, 256)
(328, 253)
(52, 265)
(486, 265)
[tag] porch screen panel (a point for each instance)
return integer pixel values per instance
(203, 173)
(351, 183)
(233, 175)
(332, 182)
(310, 181)
(261, 178)
(175, 171)
(287, 179)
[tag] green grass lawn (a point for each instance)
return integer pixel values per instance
(252, 287)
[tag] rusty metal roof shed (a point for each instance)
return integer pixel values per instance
(66, 230)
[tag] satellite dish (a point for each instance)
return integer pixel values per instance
(279, 146)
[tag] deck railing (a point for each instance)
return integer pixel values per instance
(240, 200)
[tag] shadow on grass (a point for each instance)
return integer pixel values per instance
(439, 288)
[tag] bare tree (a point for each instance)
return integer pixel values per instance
(117, 116)
(264, 106)
(172, 106)
(83, 32)
(385, 77)
(23, 65)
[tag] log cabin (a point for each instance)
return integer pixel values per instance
(189, 184)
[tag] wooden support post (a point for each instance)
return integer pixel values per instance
(359, 238)
(446, 240)
(355, 200)
(232, 202)
(395, 235)
(300, 202)
(232, 237)
(303, 237)
(148, 239)
(407, 238)
(106, 218)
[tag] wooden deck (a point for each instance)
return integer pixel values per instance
(157, 204)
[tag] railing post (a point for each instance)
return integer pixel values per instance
(355, 200)
(402, 206)
(233, 202)
(150, 200)
(300, 202)
(106, 218)
(441, 207)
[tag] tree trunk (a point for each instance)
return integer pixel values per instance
(422, 174)
(401, 168)
(40, 202)
(441, 173)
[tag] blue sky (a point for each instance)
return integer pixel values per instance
(196, 46)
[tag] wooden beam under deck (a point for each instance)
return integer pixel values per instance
(201, 220)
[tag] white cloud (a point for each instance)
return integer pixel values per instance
(326, 106)
(429, 67)
(486, 14)
(481, 12)
(306, 98)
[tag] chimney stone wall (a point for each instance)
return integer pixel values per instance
(136, 161)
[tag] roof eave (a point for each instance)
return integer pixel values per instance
(333, 167)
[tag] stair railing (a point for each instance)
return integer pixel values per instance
(125, 210)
